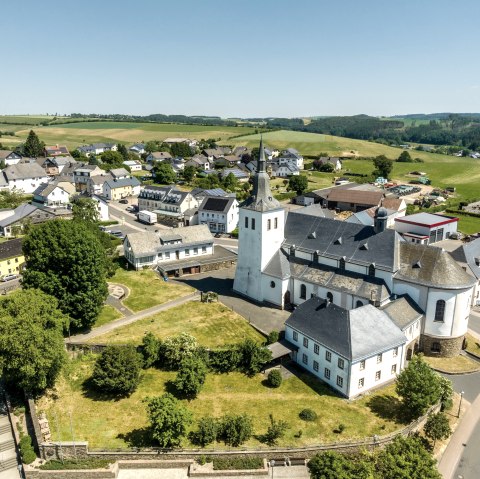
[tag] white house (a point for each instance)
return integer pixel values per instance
(426, 228)
(133, 165)
(335, 162)
(9, 157)
(97, 148)
(26, 177)
(53, 194)
(102, 208)
(220, 214)
(291, 155)
(468, 257)
(158, 156)
(83, 173)
(284, 170)
(138, 149)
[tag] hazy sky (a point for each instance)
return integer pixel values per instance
(240, 58)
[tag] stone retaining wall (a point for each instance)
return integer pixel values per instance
(111, 473)
(449, 347)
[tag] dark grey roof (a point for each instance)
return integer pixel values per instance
(316, 210)
(11, 248)
(278, 266)
(217, 203)
(122, 182)
(469, 254)
(431, 266)
(24, 171)
(354, 334)
(18, 213)
(403, 312)
(337, 239)
(115, 172)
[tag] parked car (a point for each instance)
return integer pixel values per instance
(124, 201)
(117, 234)
(9, 277)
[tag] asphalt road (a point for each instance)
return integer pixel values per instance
(469, 464)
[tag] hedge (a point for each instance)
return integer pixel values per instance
(56, 465)
(234, 463)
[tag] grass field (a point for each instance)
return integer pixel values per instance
(120, 423)
(468, 224)
(473, 345)
(147, 289)
(213, 324)
(458, 364)
(107, 315)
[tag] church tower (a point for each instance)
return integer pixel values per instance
(261, 233)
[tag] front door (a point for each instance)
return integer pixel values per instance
(177, 254)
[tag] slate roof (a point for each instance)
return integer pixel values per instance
(316, 210)
(100, 179)
(11, 248)
(116, 172)
(469, 254)
(431, 266)
(166, 194)
(160, 155)
(19, 212)
(403, 312)
(46, 188)
(337, 239)
(355, 334)
(122, 182)
(216, 203)
(22, 171)
(6, 153)
(278, 266)
(211, 192)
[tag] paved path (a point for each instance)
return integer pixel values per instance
(82, 338)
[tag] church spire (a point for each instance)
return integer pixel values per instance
(261, 157)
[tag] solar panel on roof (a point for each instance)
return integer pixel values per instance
(215, 204)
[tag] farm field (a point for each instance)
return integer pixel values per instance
(119, 423)
(213, 324)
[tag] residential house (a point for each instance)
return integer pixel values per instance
(426, 228)
(292, 156)
(284, 170)
(83, 173)
(133, 165)
(26, 177)
(119, 173)
(168, 247)
(54, 165)
(12, 260)
(229, 161)
(335, 162)
(158, 156)
(395, 207)
(9, 157)
(215, 153)
(188, 141)
(240, 151)
(219, 214)
(240, 175)
(56, 150)
(271, 153)
(102, 207)
(199, 161)
(97, 148)
(138, 149)
(116, 189)
(95, 184)
(53, 195)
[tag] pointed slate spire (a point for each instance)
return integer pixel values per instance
(261, 158)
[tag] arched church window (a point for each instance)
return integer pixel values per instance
(303, 292)
(371, 270)
(358, 304)
(330, 297)
(440, 311)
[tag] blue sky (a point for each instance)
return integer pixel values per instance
(240, 58)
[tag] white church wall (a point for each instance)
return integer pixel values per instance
(274, 289)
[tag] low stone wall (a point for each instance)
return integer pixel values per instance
(154, 464)
(449, 347)
(64, 450)
(215, 266)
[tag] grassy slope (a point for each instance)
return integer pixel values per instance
(110, 423)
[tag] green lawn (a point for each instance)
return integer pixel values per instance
(147, 289)
(457, 364)
(467, 224)
(107, 315)
(473, 345)
(118, 423)
(213, 324)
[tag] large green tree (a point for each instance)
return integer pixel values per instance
(169, 419)
(33, 146)
(85, 209)
(298, 183)
(117, 370)
(419, 386)
(122, 149)
(164, 173)
(67, 260)
(181, 149)
(112, 159)
(191, 377)
(333, 465)
(437, 427)
(405, 157)
(32, 351)
(383, 166)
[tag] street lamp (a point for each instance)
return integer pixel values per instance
(272, 463)
(460, 404)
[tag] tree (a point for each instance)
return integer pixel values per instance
(253, 356)
(151, 146)
(176, 349)
(235, 430)
(85, 209)
(207, 431)
(150, 350)
(274, 378)
(32, 350)
(191, 377)
(405, 157)
(333, 465)
(419, 386)
(230, 182)
(326, 167)
(406, 458)
(169, 419)
(117, 370)
(276, 430)
(298, 183)
(67, 260)
(437, 427)
(447, 392)
(122, 149)
(383, 166)
(164, 174)
(255, 154)
(11, 199)
(112, 159)
(273, 337)
(33, 146)
(181, 150)
(189, 173)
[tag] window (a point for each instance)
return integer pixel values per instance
(305, 342)
(435, 347)
(304, 358)
(440, 311)
(195, 250)
(379, 358)
(394, 369)
(339, 381)
(378, 375)
(167, 255)
(371, 270)
(316, 349)
(359, 304)
(295, 336)
(330, 297)
(362, 364)
(187, 252)
(341, 363)
(327, 373)
(361, 383)
(342, 263)
(395, 352)
(246, 221)
(204, 249)
(328, 356)
(272, 284)
(253, 223)
(315, 366)
(269, 225)
(160, 256)
(303, 291)
(275, 223)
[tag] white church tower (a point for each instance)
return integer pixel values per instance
(261, 233)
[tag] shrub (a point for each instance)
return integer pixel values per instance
(233, 463)
(206, 432)
(341, 428)
(253, 356)
(273, 337)
(150, 350)
(191, 377)
(275, 431)
(308, 415)
(235, 430)
(26, 450)
(274, 378)
(177, 348)
(225, 360)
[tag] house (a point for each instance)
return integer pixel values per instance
(133, 165)
(119, 173)
(468, 257)
(172, 141)
(219, 214)
(426, 228)
(97, 148)
(228, 161)
(291, 155)
(102, 208)
(169, 203)
(53, 195)
(200, 193)
(271, 153)
(54, 165)
(138, 149)
(167, 246)
(12, 260)
(26, 177)
(335, 162)
(199, 161)
(96, 183)
(240, 175)
(283, 171)
(158, 156)
(286, 259)
(356, 198)
(213, 153)
(116, 189)
(9, 157)
(240, 151)
(56, 150)
(23, 215)
(83, 173)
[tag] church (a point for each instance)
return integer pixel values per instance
(288, 260)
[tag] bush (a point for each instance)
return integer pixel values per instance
(191, 377)
(233, 463)
(273, 337)
(225, 360)
(26, 450)
(206, 432)
(308, 415)
(150, 350)
(275, 431)
(235, 430)
(253, 356)
(177, 348)
(274, 378)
